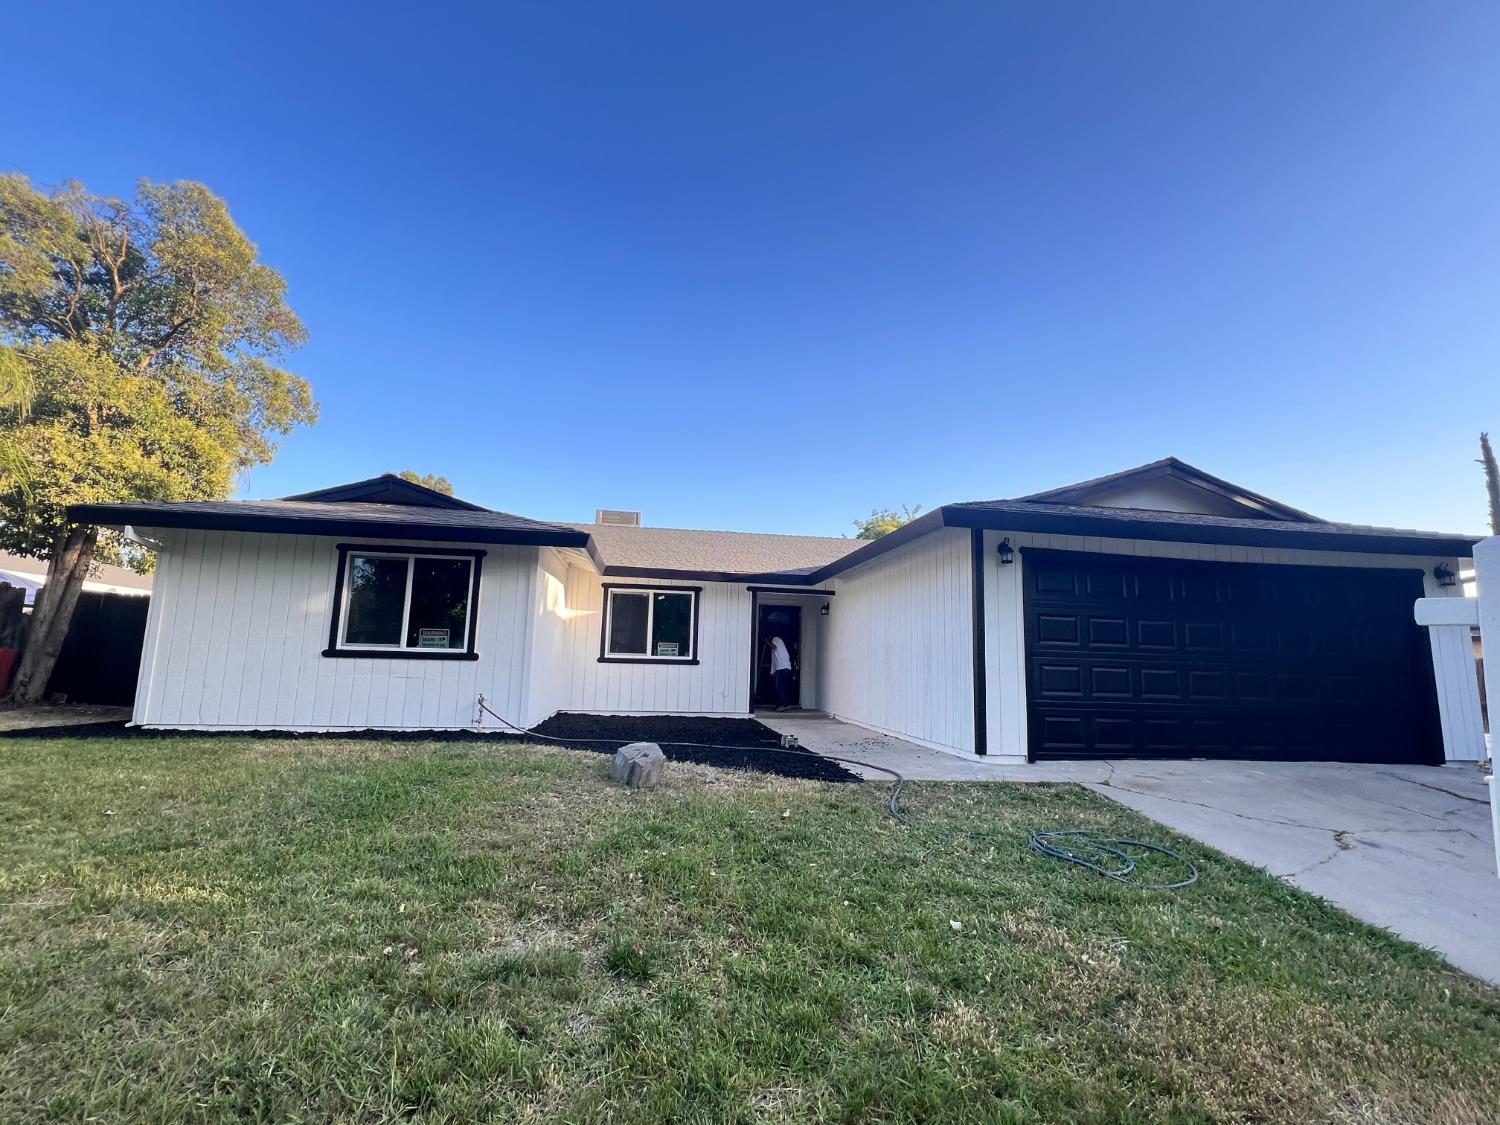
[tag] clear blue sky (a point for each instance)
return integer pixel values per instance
(765, 266)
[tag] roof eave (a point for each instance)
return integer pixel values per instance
(923, 525)
(1310, 537)
(119, 515)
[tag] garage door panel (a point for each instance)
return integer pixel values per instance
(1249, 637)
(1207, 685)
(1171, 658)
(1110, 682)
(1161, 684)
(1151, 634)
(1254, 687)
(1109, 632)
(1058, 629)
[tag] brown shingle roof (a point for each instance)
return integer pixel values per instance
(719, 552)
(99, 572)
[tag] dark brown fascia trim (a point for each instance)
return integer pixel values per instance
(1105, 527)
(1177, 470)
(1269, 536)
(357, 489)
(1271, 509)
(109, 515)
(697, 575)
(918, 527)
(794, 590)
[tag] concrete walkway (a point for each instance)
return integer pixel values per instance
(1407, 848)
(824, 735)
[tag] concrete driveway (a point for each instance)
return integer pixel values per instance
(1404, 847)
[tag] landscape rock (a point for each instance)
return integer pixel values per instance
(638, 765)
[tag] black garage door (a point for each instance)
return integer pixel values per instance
(1133, 657)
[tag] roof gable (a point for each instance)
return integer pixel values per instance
(387, 488)
(1170, 485)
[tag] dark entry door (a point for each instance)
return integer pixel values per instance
(1131, 657)
(784, 621)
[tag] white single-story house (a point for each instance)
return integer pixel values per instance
(1159, 611)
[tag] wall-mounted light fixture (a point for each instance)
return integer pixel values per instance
(1444, 575)
(824, 610)
(1007, 552)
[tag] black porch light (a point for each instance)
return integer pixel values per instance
(1007, 552)
(1445, 575)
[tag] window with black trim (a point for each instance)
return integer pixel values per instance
(390, 602)
(643, 623)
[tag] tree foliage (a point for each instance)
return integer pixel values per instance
(139, 352)
(883, 521)
(428, 480)
(140, 345)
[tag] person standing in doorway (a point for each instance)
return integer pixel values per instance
(781, 673)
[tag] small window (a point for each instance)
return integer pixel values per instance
(412, 604)
(648, 624)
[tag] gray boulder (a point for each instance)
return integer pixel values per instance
(638, 765)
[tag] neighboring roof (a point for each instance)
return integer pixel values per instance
(1254, 504)
(31, 574)
(387, 488)
(100, 572)
(325, 517)
(622, 550)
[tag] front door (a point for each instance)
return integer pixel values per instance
(784, 621)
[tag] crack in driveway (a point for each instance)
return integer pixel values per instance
(1227, 812)
(1435, 788)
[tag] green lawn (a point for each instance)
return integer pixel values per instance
(247, 930)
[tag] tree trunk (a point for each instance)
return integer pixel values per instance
(1491, 481)
(53, 612)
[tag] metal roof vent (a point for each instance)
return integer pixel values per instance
(617, 518)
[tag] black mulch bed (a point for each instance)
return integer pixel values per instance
(733, 744)
(670, 731)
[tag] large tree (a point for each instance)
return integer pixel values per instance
(140, 344)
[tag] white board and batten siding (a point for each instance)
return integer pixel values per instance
(898, 647)
(570, 676)
(238, 624)
(1005, 633)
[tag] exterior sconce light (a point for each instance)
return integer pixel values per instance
(1444, 575)
(824, 610)
(1007, 552)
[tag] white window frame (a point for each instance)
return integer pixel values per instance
(349, 552)
(607, 654)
